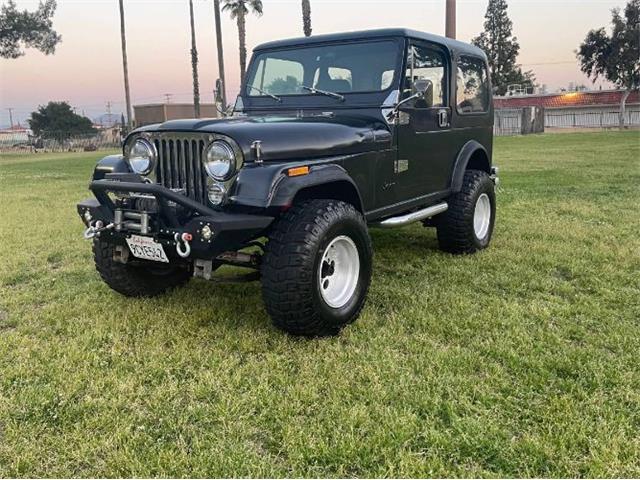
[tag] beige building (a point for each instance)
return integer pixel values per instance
(161, 112)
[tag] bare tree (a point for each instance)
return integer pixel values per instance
(306, 17)
(125, 66)
(194, 64)
(450, 22)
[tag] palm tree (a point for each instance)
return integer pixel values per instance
(216, 11)
(194, 64)
(239, 9)
(125, 65)
(306, 17)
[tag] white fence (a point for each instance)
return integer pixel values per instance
(509, 121)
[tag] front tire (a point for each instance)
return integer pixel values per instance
(467, 225)
(135, 280)
(316, 268)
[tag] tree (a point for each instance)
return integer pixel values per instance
(306, 17)
(239, 9)
(58, 120)
(502, 48)
(615, 57)
(23, 29)
(125, 65)
(284, 86)
(223, 92)
(194, 64)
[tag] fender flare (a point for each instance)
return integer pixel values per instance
(110, 164)
(468, 150)
(286, 188)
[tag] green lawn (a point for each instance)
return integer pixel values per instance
(523, 360)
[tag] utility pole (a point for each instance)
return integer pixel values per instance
(167, 97)
(125, 65)
(223, 89)
(450, 24)
(10, 116)
(108, 105)
(194, 64)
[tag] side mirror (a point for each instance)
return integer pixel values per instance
(424, 90)
(217, 94)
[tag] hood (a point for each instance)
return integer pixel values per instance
(291, 137)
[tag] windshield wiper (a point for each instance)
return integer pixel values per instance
(324, 92)
(275, 97)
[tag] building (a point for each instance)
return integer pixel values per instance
(161, 112)
(586, 109)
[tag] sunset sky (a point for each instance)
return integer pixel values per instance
(86, 69)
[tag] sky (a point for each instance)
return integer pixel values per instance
(86, 69)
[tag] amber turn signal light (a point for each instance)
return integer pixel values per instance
(297, 171)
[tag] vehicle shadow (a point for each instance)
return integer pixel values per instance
(235, 300)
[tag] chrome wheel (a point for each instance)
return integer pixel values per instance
(338, 271)
(482, 216)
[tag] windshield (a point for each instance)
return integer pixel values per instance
(346, 68)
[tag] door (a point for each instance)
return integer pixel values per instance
(423, 163)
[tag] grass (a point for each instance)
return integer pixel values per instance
(519, 361)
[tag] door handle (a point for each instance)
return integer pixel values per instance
(443, 118)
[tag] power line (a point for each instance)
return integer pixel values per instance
(564, 62)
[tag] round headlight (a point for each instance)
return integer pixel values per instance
(220, 161)
(142, 157)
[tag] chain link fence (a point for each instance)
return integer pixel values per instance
(23, 142)
(506, 122)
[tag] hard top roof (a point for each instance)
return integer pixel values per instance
(452, 45)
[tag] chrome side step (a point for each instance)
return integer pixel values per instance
(412, 217)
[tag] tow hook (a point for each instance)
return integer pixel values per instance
(181, 240)
(95, 229)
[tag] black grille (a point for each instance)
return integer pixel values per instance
(180, 166)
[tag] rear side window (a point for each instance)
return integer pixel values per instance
(472, 86)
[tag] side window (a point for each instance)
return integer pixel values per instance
(429, 64)
(472, 86)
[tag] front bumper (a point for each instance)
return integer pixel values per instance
(132, 207)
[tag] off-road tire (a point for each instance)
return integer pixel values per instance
(455, 227)
(293, 254)
(135, 281)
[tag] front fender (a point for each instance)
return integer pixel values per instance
(269, 186)
(110, 164)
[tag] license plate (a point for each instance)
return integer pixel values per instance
(146, 248)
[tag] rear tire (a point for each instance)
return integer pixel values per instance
(316, 269)
(467, 225)
(134, 280)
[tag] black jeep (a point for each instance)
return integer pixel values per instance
(329, 135)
